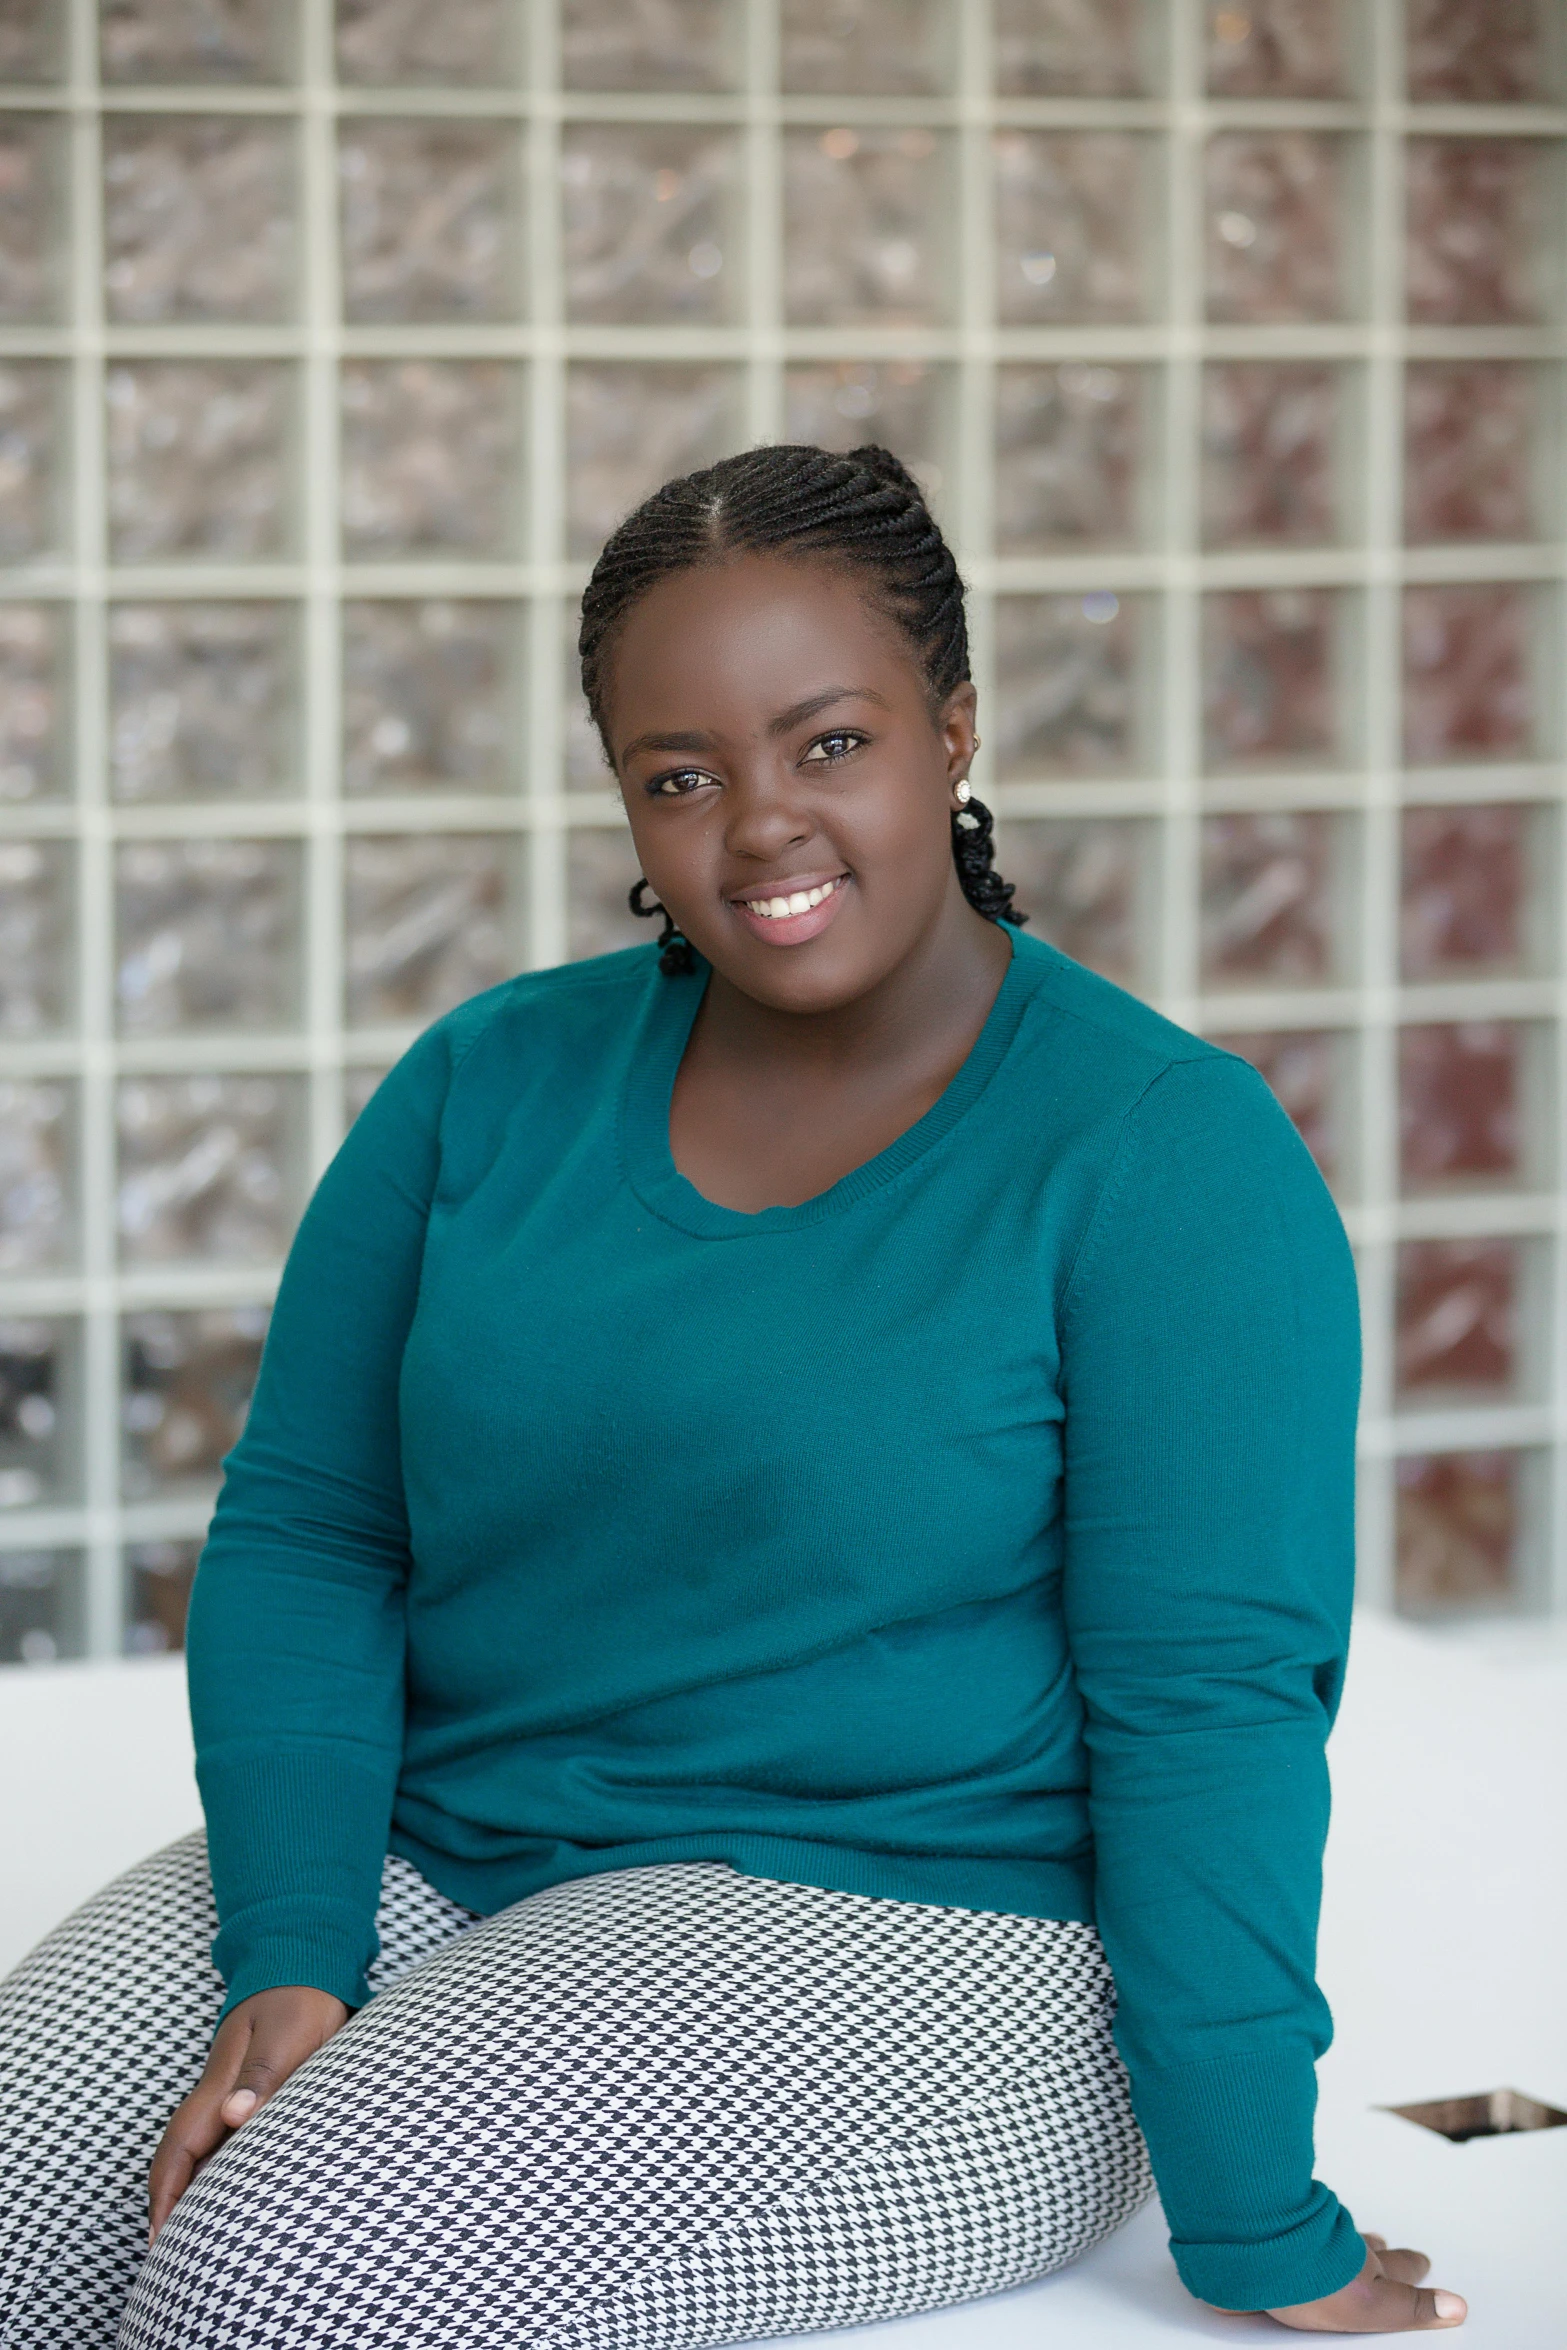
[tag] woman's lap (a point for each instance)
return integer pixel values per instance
(103, 2029)
(663, 2107)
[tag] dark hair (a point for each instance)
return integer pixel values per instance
(864, 510)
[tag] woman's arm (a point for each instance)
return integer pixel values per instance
(296, 1623)
(1210, 1339)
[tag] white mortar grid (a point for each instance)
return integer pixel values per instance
(1173, 572)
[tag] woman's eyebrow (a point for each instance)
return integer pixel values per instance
(667, 742)
(798, 712)
(795, 715)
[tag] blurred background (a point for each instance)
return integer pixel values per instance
(1228, 342)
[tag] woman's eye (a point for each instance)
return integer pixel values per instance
(674, 787)
(828, 747)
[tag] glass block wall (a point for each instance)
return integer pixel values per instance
(1228, 340)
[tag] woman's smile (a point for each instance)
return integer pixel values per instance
(787, 917)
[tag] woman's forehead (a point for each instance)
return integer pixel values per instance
(760, 626)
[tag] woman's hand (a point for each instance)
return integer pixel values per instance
(1383, 2299)
(258, 2044)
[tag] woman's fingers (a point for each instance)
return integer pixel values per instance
(196, 2131)
(1386, 2298)
(1403, 2265)
(257, 2046)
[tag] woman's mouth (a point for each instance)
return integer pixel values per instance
(787, 917)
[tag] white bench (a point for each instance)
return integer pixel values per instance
(1444, 1934)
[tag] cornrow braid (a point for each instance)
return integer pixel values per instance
(865, 510)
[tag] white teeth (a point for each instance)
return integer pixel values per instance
(800, 901)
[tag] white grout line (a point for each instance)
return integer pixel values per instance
(535, 812)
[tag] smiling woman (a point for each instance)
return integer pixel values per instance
(774, 1620)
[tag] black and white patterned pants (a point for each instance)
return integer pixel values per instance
(660, 2107)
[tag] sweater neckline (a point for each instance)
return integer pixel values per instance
(669, 1014)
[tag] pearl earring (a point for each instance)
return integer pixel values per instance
(962, 793)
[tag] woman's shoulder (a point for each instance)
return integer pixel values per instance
(1114, 1044)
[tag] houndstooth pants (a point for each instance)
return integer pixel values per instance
(658, 2107)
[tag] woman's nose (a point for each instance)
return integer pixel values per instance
(764, 817)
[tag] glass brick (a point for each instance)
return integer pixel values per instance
(1475, 217)
(186, 1387)
(1067, 687)
(1268, 914)
(208, 934)
(1456, 1320)
(462, 43)
(39, 1411)
(842, 403)
(601, 868)
(1069, 442)
(194, 40)
(32, 701)
(866, 215)
(30, 41)
(1305, 1069)
(198, 218)
(1460, 1523)
(30, 454)
(1469, 441)
(1276, 49)
(1069, 48)
(1074, 227)
(1269, 454)
(199, 700)
(1465, 910)
(1086, 886)
(431, 457)
(31, 219)
(648, 44)
(1269, 671)
(209, 1168)
(430, 919)
(36, 1175)
(430, 227)
(431, 695)
(358, 1086)
(158, 1577)
(1276, 227)
(864, 48)
(41, 1610)
(650, 227)
(630, 427)
(198, 460)
(1461, 1103)
(1468, 673)
(35, 936)
(1476, 52)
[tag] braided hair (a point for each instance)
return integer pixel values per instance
(864, 510)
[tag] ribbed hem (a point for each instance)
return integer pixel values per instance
(323, 1953)
(1231, 2145)
(296, 1840)
(1016, 1888)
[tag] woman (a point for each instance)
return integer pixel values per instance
(802, 1476)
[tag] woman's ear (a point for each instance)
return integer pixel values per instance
(955, 725)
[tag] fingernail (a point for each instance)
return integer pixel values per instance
(245, 2098)
(1449, 2305)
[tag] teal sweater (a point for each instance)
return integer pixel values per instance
(978, 1532)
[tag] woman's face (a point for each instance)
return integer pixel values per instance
(775, 744)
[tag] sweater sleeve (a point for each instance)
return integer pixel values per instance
(295, 1638)
(1211, 1353)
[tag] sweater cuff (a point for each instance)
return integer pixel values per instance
(285, 1944)
(1231, 2145)
(296, 1840)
